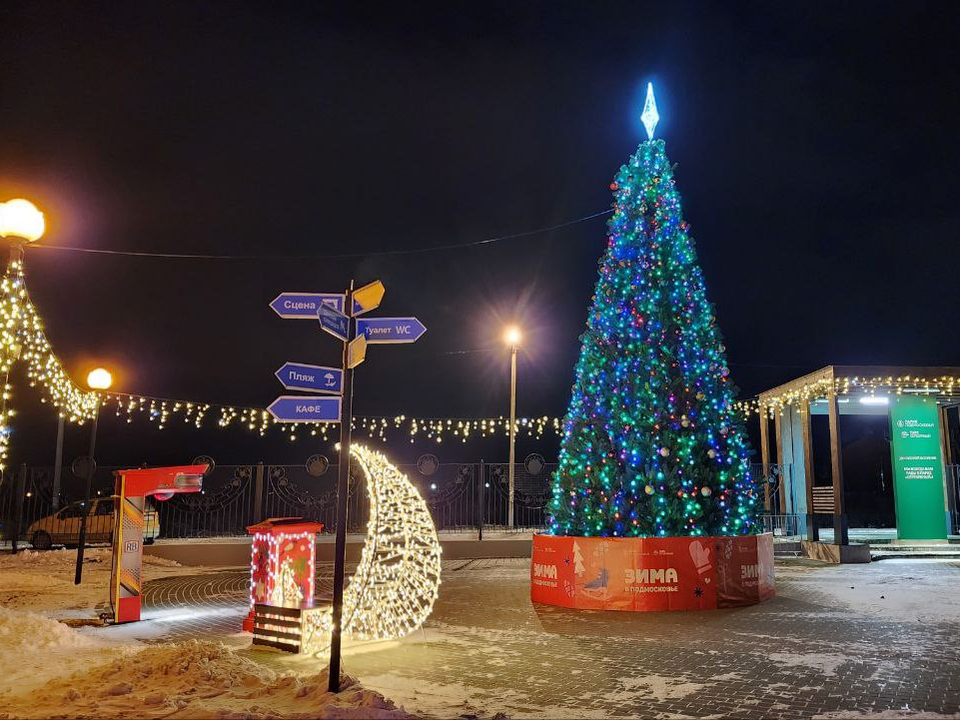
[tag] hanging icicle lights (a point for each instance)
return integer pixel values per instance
(22, 339)
(163, 412)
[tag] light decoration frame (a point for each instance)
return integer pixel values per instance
(397, 581)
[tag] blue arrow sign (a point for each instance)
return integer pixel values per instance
(304, 306)
(316, 378)
(334, 321)
(390, 330)
(295, 408)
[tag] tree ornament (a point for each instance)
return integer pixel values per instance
(664, 451)
(711, 453)
(649, 490)
(706, 491)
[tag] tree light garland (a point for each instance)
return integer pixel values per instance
(397, 581)
(653, 443)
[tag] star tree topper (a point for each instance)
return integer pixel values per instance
(650, 117)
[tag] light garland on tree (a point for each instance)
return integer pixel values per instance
(396, 583)
(653, 442)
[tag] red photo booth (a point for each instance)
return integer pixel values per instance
(131, 490)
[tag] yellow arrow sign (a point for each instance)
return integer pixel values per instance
(368, 297)
(356, 351)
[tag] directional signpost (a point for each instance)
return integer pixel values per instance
(337, 405)
(334, 322)
(304, 306)
(385, 331)
(303, 408)
(367, 298)
(356, 351)
(310, 378)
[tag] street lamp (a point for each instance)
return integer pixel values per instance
(512, 337)
(21, 221)
(97, 379)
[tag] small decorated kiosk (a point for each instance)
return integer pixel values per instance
(653, 505)
(282, 574)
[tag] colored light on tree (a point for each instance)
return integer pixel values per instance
(653, 444)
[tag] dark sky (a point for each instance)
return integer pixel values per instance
(817, 161)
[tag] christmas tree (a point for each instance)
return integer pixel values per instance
(652, 443)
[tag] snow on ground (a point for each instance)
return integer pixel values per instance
(43, 581)
(894, 588)
(51, 670)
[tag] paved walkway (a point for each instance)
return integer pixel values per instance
(838, 641)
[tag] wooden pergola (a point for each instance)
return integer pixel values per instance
(792, 404)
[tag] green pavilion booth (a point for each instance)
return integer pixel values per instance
(916, 402)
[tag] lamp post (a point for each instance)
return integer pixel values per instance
(21, 222)
(512, 337)
(98, 379)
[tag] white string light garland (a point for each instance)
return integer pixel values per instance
(22, 339)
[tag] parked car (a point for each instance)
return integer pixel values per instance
(63, 527)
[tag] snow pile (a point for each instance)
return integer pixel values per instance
(77, 675)
(67, 558)
(28, 632)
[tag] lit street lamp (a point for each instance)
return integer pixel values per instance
(98, 379)
(20, 221)
(512, 337)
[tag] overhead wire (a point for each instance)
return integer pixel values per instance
(280, 258)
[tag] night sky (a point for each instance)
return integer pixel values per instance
(816, 150)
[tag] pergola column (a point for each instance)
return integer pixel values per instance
(765, 455)
(813, 532)
(840, 534)
(778, 432)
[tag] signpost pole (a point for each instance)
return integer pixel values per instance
(346, 420)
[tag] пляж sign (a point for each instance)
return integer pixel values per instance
(917, 468)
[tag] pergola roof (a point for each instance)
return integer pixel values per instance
(864, 380)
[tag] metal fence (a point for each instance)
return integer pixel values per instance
(461, 497)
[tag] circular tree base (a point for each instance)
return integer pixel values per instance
(652, 574)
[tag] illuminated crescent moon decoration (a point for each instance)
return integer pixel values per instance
(394, 588)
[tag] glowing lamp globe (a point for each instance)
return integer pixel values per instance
(20, 219)
(512, 336)
(100, 379)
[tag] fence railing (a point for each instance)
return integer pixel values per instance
(461, 497)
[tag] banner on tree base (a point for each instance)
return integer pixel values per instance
(651, 574)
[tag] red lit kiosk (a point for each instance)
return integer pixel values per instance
(281, 564)
(131, 490)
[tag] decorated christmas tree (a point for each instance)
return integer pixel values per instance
(652, 443)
